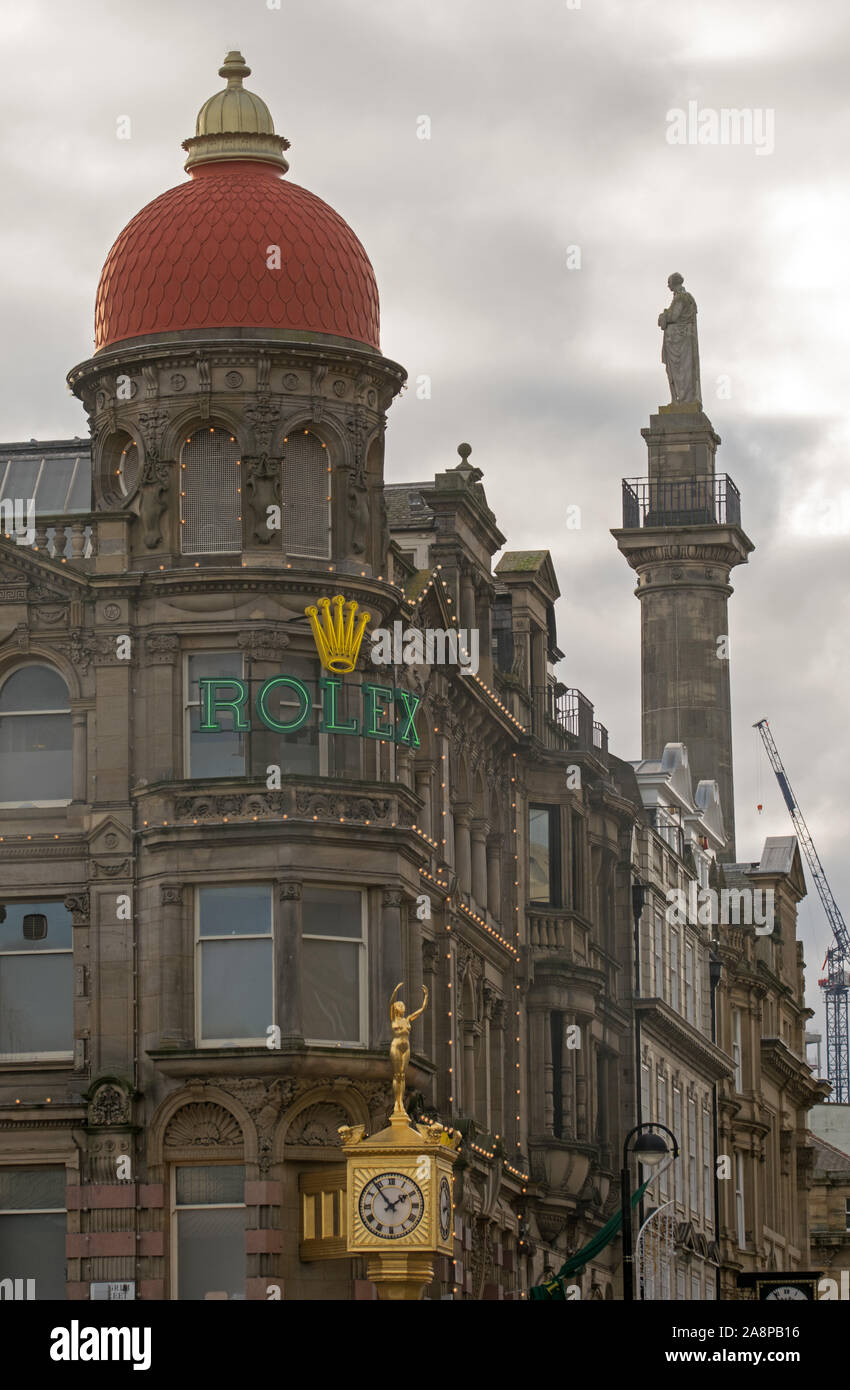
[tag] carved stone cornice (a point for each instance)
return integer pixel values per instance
(700, 1051)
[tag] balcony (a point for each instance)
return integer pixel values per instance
(563, 720)
(712, 500)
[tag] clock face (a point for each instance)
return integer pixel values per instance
(784, 1291)
(391, 1205)
(445, 1208)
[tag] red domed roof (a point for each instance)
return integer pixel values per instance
(196, 258)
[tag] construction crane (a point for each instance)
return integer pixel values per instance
(835, 985)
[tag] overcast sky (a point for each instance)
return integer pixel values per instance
(548, 129)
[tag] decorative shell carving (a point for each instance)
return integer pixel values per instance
(203, 1124)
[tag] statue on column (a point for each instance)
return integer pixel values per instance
(680, 350)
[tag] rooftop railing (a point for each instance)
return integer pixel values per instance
(702, 501)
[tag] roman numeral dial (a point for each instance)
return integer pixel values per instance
(391, 1205)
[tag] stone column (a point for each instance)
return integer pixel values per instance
(423, 777)
(79, 753)
(479, 863)
(548, 1074)
(289, 953)
(494, 876)
(497, 1053)
(413, 934)
(175, 970)
(470, 1033)
(389, 965)
(580, 1055)
(467, 599)
(463, 850)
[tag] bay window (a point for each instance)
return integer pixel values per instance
(333, 978)
(235, 975)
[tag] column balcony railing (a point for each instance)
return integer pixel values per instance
(712, 500)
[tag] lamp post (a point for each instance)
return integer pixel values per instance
(651, 1149)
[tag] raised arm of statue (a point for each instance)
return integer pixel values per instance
(411, 1017)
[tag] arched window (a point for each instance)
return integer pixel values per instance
(210, 500)
(306, 496)
(35, 738)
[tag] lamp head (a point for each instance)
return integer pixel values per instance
(650, 1149)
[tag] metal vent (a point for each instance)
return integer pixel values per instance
(306, 489)
(210, 500)
(35, 926)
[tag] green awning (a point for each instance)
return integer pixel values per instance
(554, 1289)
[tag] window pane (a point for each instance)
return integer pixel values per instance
(80, 499)
(36, 1003)
(35, 758)
(540, 886)
(41, 1185)
(211, 1253)
(332, 912)
(34, 688)
(53, 487)
(330, 991)
(20, 481)
(236, 909)
(220, 754)
(211, 664)
(211, 1186)
(12, 927)
(306, 484)
(236, 989)
(33, 1247)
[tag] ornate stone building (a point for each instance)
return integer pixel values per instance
(218, 859)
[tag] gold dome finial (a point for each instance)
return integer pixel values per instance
(235, 124)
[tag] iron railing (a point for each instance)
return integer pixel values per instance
(563, 718)
(712, 500)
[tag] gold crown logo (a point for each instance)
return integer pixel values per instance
(336, 637)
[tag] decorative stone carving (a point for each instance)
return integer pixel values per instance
(112, 612)
(151, 380)
(79, 906)
(262, 417)
(290, 892)
(162, 648)
(318, 1124)
(233, 380)
(215, 807)
(392, 897)
(118, 870)
(204, 1125)
(110, 1105)
(171, 894)
(262, 491)
(178, 382)
(326, 806)
(290, 382)
(153, 501)
(264, 643)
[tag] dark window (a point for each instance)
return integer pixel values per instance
(32, 1229)
(35, 738)
(210, 1253)
(544, 867)
(36, 980)
(306, 496)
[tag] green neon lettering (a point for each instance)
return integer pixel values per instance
(372, 710)
(408, 734)
(263, 704)
(330, 724)
(211, 704)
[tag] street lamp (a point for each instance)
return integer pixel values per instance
(651, 1149)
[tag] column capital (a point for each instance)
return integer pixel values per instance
(289, 891)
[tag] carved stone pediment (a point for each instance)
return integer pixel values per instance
(203, 1125)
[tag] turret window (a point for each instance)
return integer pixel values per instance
(210, 497)
(306, 496)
